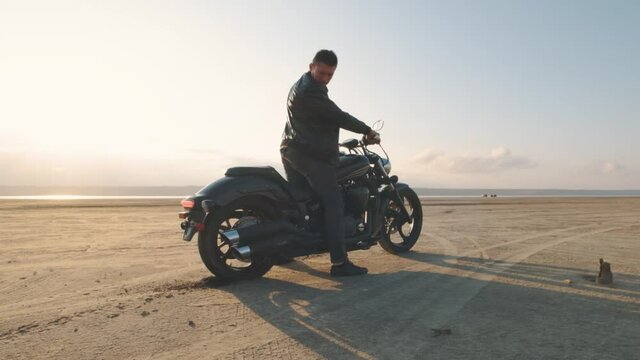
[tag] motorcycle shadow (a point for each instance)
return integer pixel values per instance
(345, 319)
(402, 314)
(536, 274)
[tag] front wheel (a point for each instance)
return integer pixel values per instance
(400, 236)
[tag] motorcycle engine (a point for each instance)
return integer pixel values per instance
(355, 204)
(353, 225)
(355, 200)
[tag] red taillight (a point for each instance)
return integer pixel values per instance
(187, 203)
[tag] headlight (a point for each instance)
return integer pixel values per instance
(386, 164)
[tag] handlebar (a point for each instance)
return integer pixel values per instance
(368, 140)
(360, 146)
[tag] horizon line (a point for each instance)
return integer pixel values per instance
(415, 187)
(173, 190)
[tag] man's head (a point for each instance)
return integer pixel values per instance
(323, 66)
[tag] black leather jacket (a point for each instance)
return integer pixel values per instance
(314, 122)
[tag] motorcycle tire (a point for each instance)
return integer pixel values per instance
(399, 239)
(215, 253)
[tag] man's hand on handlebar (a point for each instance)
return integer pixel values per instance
(373, 137)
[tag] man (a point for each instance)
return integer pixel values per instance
(310, 150)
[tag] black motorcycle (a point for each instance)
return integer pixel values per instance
(253, 218)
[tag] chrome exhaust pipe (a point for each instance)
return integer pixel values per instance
(231, 236)
(261, 238)
(242, 253)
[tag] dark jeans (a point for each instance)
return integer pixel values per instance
(304, 171)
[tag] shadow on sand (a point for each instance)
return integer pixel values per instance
(494, 310)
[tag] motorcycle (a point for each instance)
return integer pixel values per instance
(253, 218)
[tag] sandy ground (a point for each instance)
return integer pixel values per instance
(489, 278)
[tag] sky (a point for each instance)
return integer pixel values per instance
(473, 94)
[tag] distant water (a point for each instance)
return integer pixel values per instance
(169, 192)
(86, 197)
(95, 192)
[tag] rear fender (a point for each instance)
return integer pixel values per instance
(227, 189)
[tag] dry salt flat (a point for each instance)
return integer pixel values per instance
(489, 278)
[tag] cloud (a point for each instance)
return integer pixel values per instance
(428, 157)
(608, 167)
(500, 159)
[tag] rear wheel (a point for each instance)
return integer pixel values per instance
(401, 236)
(216, 253)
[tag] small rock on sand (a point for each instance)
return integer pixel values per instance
(438, 332)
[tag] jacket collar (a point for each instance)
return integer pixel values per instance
(314, 82)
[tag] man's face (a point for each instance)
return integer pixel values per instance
(322, 72)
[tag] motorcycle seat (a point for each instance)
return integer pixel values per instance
(271, 173)
(266, 171)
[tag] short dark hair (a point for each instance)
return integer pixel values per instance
(326, 57)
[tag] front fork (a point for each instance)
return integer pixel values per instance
(394, 195)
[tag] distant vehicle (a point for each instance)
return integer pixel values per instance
(253, 218)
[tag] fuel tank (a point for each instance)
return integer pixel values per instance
(352, 166)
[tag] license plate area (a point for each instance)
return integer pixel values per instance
(189, 228)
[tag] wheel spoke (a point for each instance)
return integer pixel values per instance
(226, 256)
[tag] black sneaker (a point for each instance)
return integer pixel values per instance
(347, 269)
